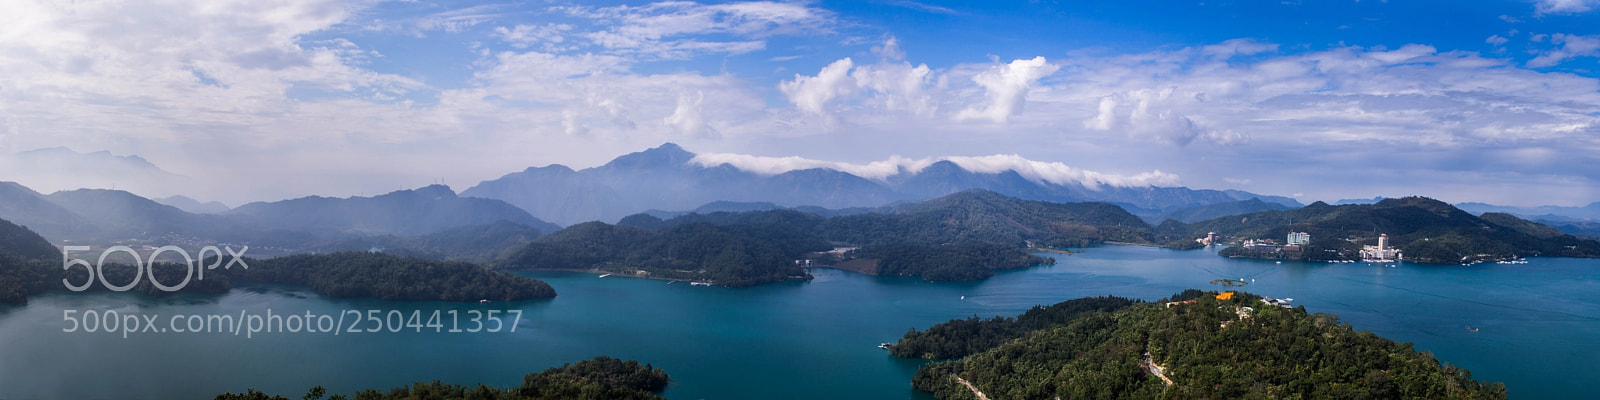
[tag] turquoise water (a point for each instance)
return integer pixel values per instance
(817, 339)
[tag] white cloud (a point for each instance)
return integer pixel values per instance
(1548, 7)
(1007, 86)
(689, 118)
(890, 49)
(1238, 47)
(924, 7)
(453, 21)
(1037, 171)
(1571, 46)
(891, 85)
(1106, 115)
(899, 86)
(1496, 40)
(679, 29)
(1156, 114)
(812, 93)
(1060, 174)
(522, 36)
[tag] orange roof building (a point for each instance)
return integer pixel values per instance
(1225, 296)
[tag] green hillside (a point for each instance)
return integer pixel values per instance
(24, 243)
(1239, 348)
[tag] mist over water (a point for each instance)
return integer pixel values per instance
(791, 340)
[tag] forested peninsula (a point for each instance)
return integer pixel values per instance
(1204, 345)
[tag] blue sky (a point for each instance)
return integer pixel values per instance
(1463, 101)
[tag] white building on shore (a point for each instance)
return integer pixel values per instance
(1382, 252)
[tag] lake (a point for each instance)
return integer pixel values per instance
(1535, 325)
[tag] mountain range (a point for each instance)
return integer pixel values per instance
(101, 215)
(668, 178)
(59, 168)
(1590, 212)
(193, 206)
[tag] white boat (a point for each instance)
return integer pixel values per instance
(885, 345)
(483, 301)
(605, 275)
(699, 283)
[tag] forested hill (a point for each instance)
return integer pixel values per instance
(733, 255)
(25, 263)
(964, 236)
(23, 243)
(1210, 348)
(598, 378)
(981, 215)
(968, 216)
(388, 277)
(1423, 229)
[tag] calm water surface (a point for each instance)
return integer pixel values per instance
(1536, 325)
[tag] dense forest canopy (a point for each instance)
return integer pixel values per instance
(735, 255)
(951, 262)
(23, 243)
(1209, 348)
(962, 337)
(388, 277)
(596, 379)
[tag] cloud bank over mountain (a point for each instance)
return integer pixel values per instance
(1038, 171)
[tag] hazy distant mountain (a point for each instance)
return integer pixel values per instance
(120, 215)
(472, 243)
(1289, 202)
(59, 168)
(664, 178)
(405, 212)
(1589, 212)
(1373, 200)
(25, 207)
(193, 206)
(1201, 213)
(115, 215)
(1583, 229)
